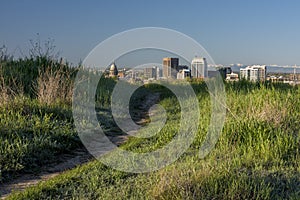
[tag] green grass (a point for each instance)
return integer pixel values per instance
(33, 132)
(256, 157)
(32, 135)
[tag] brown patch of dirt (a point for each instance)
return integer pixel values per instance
(64, 162)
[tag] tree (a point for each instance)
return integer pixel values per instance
(43, 50)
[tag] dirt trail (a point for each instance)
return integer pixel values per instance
(65, 161)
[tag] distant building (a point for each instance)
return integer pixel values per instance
(294, 77)
(183, 74)
(254, 73)
(232, 77)
(122, 73)
(224, 71)
(274, 79)
(199, 68)
(170, 66)
(181, 67)
(113, 71)
(150, 72)
(158, 73)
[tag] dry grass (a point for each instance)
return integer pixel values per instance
(179, 182)
(272, 114)
(9, 91)
(4, 92)
(268, 111)
(260, 106)
(54, 86)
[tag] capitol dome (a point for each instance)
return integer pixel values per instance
(113, 71)
(113, 67)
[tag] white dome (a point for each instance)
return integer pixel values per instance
(113, 67)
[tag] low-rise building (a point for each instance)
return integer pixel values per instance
(183, 74)
(232, 77)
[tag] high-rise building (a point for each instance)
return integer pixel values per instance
(254, 73)
(170, 66)
(158, 73)
(199, 67)
(150, 72)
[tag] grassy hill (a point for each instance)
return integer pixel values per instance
(256, 157)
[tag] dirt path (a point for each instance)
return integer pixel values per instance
(64, 161)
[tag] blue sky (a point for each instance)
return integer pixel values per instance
(232, 31)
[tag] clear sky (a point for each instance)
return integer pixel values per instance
(232, 31)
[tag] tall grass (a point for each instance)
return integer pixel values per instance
(35, 113)
(54, 85)
(23, 74)
(256, 157)
(32, 135)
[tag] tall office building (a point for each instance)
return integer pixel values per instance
(170, 66)
(199, 68)
(158, 73)
(150, 72)
(254, 73)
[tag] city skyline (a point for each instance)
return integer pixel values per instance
(256, 32)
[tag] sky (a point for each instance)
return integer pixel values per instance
(232, 31)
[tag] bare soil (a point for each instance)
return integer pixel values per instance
(63, 163)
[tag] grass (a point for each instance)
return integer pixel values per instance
(256, 157)
(35, 114)
(32, 135)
